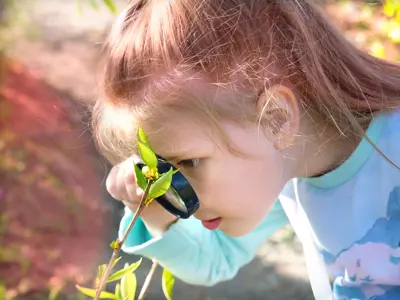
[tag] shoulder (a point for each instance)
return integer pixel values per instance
(389, 140)
(391, 124)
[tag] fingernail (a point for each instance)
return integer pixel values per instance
(139, 191)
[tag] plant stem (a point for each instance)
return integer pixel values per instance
(146, 284)
(137, 214)
(121, 242)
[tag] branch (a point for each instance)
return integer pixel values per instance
(121, 242)
(149, 276)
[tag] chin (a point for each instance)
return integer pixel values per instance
(234, 231)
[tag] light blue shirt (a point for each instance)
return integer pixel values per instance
(354, 213)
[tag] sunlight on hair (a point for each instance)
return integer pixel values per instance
(262, 42)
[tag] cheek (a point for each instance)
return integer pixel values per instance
(240, 186)
(214, 187)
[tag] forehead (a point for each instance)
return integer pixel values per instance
(179, 139)
(194, 94)
(191, 115)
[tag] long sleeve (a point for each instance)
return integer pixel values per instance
(197, 255)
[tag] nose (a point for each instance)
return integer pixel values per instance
(204, 214)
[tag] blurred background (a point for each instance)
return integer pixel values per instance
(56, 218)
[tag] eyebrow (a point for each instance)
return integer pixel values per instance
(177, 156)
(171, 157)
(167, 158)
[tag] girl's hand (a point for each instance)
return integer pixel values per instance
(121, 184)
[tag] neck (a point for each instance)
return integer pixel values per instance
(322, 152)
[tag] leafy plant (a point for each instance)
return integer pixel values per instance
(391, 9)
(96, 4)
(389, 29)
(14, 24)
(154, 185)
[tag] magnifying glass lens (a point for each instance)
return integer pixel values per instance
(180, 199)
(175, 200)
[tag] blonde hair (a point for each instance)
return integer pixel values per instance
(265, 42)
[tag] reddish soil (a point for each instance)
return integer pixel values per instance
(52, 216)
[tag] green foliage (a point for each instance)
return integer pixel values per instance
(391, 9)
(378, 29)
(146, 152)
(92, 293)
(125, 290)
(128, 286)
(95, 4)
(116, 261)
(117, 291)
(168, 282)
(159, 184)
(122, 273)
(54, 292)
(141, 136)
(14, 23)
(140, 178)
(147, 155)
(2, 291)
(111, 5)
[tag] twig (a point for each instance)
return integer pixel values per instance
(149, 276)
(121, 242)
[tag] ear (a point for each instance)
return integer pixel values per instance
(278, 111)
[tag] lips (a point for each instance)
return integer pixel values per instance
(212, 224)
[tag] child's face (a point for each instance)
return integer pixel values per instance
(239, 190)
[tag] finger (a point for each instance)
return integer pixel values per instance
(111, 185)
(129, 170)
(139, 192)
(136, 159)
(120, 183)
(130, 183)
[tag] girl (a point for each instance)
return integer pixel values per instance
(273, 117)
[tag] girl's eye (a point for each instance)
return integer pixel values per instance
(188, 163)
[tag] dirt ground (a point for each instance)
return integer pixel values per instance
(64, 54)
(50, 189)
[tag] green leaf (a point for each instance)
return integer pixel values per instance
(79, 9)
(141, 136)
(111, 6)
(121, 273)
(2, 291)
(116, 261)
(145, 150)
(168, 282)
(54, 292)
(147, 155)
(92, 293)
(117, 292)
(128, 286)
(161, 185)
(94, 4)
(140, 179)
(101, 270)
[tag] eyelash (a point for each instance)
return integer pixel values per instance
(188, 163)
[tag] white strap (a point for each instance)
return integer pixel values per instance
(317, 272)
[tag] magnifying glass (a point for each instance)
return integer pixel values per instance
(180, 199)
